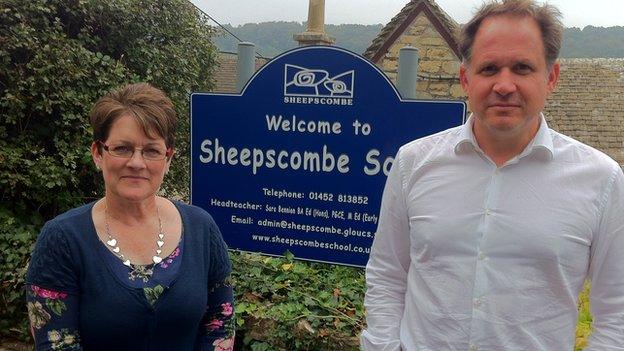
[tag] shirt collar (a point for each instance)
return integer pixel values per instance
(542, 140)
(466, 137)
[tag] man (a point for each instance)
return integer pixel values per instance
(488, 230)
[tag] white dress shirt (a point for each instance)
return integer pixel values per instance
(471, 256)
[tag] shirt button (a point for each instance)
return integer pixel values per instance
(481, 256)
(474, 348)
(487, 211)
(478, 302)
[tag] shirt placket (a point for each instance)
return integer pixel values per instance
(479, 292)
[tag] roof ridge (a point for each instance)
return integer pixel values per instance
(388, 31)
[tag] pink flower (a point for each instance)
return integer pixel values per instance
(224, 344)
(48, 294)
(214, 324)
(227, 309)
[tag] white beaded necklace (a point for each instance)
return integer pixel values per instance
(112, 242)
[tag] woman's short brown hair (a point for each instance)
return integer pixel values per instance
(149, 106)
(547, 16)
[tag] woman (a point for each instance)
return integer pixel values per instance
(133, 270)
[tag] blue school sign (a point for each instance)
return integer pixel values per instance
(299, 160)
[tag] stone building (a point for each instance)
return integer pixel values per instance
(225, 74)
(424, 25)
(587, 105)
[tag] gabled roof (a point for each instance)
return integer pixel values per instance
(444, 24)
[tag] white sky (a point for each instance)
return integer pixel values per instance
(576, 13)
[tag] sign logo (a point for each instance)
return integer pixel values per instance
(316, 86)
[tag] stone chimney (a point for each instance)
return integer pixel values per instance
(315, 33)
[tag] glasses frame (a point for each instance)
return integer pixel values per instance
(167, 156)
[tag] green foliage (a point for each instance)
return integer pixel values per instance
(56, 58)
(273, 38)
(16, 242)
(591, 42)
(355, 37)
(283, 304)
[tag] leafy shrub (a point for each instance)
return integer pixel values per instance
(283, 304)
(16, 241)
(56, 58)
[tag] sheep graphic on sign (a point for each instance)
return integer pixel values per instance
(301, 81)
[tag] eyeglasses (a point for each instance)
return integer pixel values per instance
(152, 153)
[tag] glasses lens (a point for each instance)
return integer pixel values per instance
(121, 151)
(126, 151)
(154, 154)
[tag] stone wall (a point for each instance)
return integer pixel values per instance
(438, 67)
(588, 104)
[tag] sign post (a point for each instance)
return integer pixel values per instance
(299, 159)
